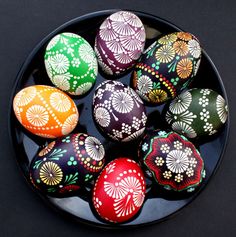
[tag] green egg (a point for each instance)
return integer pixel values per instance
(70, 63)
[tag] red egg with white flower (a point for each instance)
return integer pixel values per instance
(119, 190)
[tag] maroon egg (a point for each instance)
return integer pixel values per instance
(119, 111)
(119, 42)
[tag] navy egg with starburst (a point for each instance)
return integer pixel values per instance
(67, 165)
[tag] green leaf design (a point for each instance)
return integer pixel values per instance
(37, 164)
(156, 85)
(51, 190)
(56, 154)
(71, 179)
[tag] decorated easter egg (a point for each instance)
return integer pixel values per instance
(67, 164)
(71, 63)
(118, 111)
(167, 67)
(171, 160)
(119, 191)
(119, 42)
(197, 113)
(45, 111)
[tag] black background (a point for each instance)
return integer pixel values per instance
(23, 23)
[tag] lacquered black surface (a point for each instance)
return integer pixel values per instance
(158, 204)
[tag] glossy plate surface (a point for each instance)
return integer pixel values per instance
(158, 205)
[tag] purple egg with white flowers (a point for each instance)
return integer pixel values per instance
(119, 42)
(118, 111)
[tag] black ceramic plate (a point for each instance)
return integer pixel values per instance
(158, 205)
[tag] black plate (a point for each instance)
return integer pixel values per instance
(158, 204)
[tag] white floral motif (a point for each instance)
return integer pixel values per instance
(123, 57)
(190, 172)
(94, 148)
(114, 190)
(53, 42)
(75, 62)
(83, 88)
(115, 46)
(159, 161)
(59, 62)
(187, 117)
(37, 115)
(60, 102)
(86, 53)
(25, 96)
(97, 202)
(106, 32)
(136, 123)
(177, 161)
(204, 115)
(203, 101)
(144, 84)
(181, 103)
(62, 81)
(122, 28)
(193, 162)
(145, 147)
(144, 119)
(178, 145)
(134, 135)
(208, 127)
(117, 134)
(132, 19)
(126, 128)
(179, 178)
(167, 174)
(205, 91)
(165, 148)
(194, 48)
(131, 43)
(188, 151)
(122, 102)
(110, 167)
(184, 129)
(69, 124)
(221, 108)
(102, 117)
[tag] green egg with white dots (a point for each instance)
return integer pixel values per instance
(70, 63)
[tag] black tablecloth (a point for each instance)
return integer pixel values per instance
(24, 23)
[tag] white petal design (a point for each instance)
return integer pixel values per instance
(114, 190)
(132, 19)
(37, 115)
(82, 89)
(102, 117)
(196, 67)
(123, 57)
(25, 96)
(53, 42)
(94, 148)
(117, 16)
(122, 102)
(177, 161)
(60, 102)
(122, 28)
(134, 135)
(141, 36)
(115, 46)
(131, 43)
(181, 103)
(70, 123)
(86, 53)
(62, 81)
(185, 129)
(221, 108)
(107, 33)
(59, 63)
(187, 117)
(194, 48)
(144, 84)
(135, 95)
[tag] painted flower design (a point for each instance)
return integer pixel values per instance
(167, 174)
(144, 84)
(180, 47)
(37, 115)
(62, 81)
(184, 129)
(165, 54)
(221, 108)
(208, 127)
(86, 53)
(178, 145)
(47, 149)
(158, 96)
(122, 28)
(168, 39)
(179, 178)
(83, 88)
(190, 172)
(184, 68)
(75, 62)
(25, 96)
(132, 19)
(165, 148)
(102, 117)
(159, 161)
(194, 48)
(203, 101)
(177, 161)
(50, 173)
(184, 36)
(60, 63)
(106, 32)
(94, 148)
(181, 103)
(60, 102)
(122, 102)
(134, 135)
(145, 147)
(204, 115)
(69, 124)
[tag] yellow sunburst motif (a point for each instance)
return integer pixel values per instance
(50, 173)
(157, 96)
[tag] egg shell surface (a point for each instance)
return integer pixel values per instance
(45, 111)
(119, 191)
(71, 63)
(197, 113)
(67, 164)
(119, 42)
(118, 111)
(167, 67)
(171, 160)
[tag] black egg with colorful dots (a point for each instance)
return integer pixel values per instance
(167, 67)
(67, 165)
